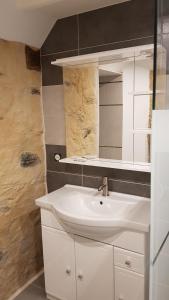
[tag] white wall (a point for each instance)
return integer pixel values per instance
(29, 27)
(54, 115)
(159, 279)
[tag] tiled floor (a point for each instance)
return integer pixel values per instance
(36, 291)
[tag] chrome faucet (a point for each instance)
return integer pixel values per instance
(104, 187)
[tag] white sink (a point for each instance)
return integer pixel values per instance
(86, 210)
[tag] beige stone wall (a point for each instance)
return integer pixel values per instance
(81, 97)
(22, 171)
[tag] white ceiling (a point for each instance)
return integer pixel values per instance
(64, 8)
(29, 27)
(30, 21)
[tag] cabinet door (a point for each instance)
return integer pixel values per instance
(59, 264)
(94, 270)
(128, 285)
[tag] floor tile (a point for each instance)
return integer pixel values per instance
(40, 282)
(32, 293)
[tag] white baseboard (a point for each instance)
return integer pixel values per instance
(20, 290)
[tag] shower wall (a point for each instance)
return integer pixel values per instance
(22, 166)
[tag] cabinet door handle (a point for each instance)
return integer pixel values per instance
(80, 276)
(68, 270)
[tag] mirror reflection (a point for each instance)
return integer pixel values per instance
(108, 106)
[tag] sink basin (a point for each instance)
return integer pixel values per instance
(87, 211)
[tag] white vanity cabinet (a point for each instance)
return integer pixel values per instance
(94, 267)
(81, 268)
(129, 275)
(59, 264)
(128, 285)
(76, 268)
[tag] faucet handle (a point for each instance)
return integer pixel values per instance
(100, 188)
(105, 180)
(104, 186)
(104, 183)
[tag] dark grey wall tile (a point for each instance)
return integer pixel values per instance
(118, 186)
(56, 180)
(92, 182)
(63, 36)
(124, 175)
(125, 21)
(52, 75)
(53, 165)
(122, 181)
(69, 168)
(131, 188)
(118, 26)
(117, 45)
(51, 150)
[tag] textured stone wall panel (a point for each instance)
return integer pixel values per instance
(21, 131)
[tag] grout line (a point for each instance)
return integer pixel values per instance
(116, 147)
(119, 180)
(98, 177)
(119, 42)
(65, 51)
(130, 182)
(99, 45)
(69, 173)
(111, 105)
(109, 82)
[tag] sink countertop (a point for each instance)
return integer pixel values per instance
(128, 211)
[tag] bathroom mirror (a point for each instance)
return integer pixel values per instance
(125, 106)
(108, 105)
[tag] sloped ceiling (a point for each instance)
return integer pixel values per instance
(30, 21)
(29, 27)
(64, 8)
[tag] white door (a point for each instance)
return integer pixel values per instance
(159, 254)
(94, 270)
(59, 264)
(128, 285)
